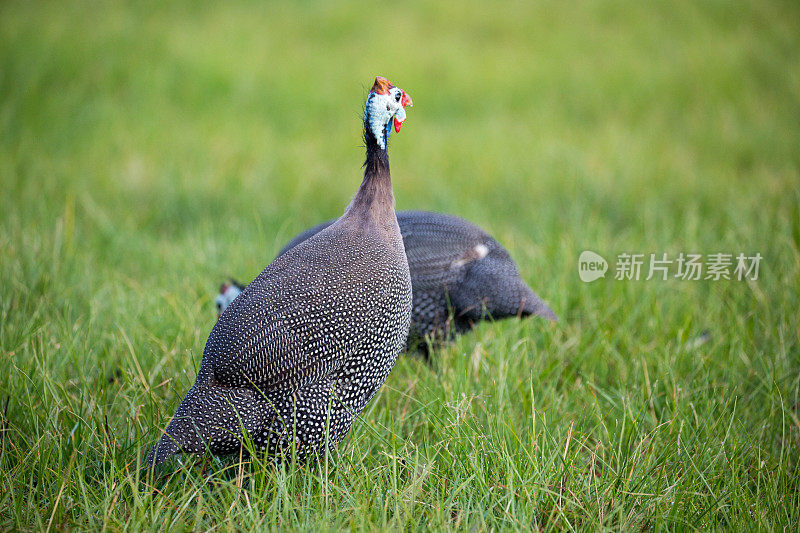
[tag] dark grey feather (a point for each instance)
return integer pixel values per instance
(450, 273)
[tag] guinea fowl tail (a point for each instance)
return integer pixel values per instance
(209, 418)
(165, 448)
(531, 304)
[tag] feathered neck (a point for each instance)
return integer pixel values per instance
(375, 195)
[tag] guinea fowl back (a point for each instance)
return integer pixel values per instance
(319, 288)
(309, 342)
(480, 278)
(456, 268)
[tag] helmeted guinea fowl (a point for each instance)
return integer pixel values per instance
(299, 353)
(457, 270)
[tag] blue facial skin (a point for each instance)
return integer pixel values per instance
(388, 130)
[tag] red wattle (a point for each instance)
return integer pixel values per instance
(397, 125)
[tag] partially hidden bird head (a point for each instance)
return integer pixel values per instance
(385, 108)
(227, 293)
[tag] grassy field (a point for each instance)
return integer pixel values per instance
(148, 150)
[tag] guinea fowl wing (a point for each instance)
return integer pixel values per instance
(305, 235)
(299, 320)
(438, 247)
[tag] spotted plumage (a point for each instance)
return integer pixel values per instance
(459, 273)
(299, 353)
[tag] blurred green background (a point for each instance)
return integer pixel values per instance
(148, 150)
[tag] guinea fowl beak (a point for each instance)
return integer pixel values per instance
(405, 101)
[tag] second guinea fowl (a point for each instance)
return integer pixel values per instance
(459, 273)
(296, 357)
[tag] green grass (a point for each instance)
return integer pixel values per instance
(149, 150)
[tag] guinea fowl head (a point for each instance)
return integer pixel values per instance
(227, 293)
(385, 108)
